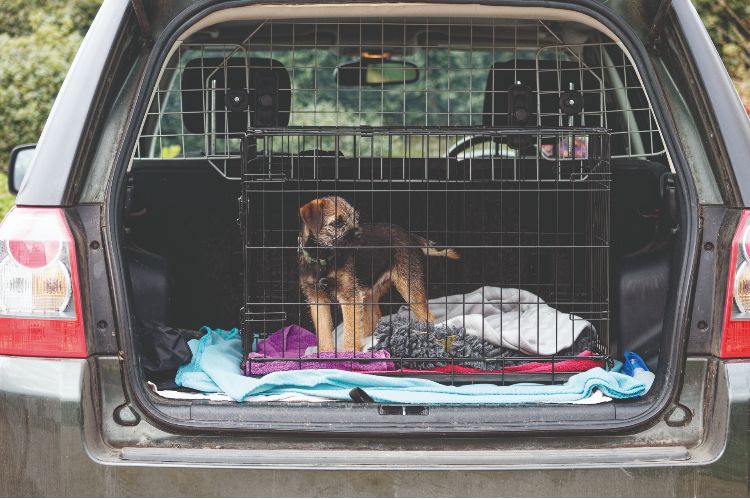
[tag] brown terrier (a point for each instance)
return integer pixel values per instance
(354, 264)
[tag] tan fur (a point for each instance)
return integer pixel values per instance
(444, 252)
(320, 310)
(413, 292)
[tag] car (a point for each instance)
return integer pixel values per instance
(591, 153)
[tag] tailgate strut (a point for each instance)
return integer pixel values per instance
(659, 19)
(143, 24)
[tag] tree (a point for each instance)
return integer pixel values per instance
(38, 40)
(728, 23)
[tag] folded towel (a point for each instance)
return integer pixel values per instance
(290, 341)
(217, 355)
(255, 365)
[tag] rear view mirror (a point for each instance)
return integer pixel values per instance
(376, 72)
(20, 159)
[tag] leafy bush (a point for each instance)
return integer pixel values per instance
(38, 40)
(728, 23)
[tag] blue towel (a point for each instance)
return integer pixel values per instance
(216, 368)
(216, 359)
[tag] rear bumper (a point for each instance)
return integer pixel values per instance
(58, 436)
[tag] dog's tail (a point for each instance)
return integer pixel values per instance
(430, 248)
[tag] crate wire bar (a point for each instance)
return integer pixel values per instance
(524, 208)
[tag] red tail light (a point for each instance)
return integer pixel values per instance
(40, 299)
(735, 339)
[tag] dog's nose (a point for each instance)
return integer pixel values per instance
(323, 283)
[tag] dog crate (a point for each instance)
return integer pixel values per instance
(526, 210)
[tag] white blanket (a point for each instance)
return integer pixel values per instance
(221, 397)
(507, 317)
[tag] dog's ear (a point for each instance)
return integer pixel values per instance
(312, 214)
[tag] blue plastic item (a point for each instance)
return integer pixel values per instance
(636, 367)
(633, 361)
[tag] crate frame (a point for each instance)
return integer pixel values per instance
(266, 174)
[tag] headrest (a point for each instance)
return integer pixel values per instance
(230, 88)
(555, 78)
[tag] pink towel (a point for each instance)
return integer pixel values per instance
(580, 364)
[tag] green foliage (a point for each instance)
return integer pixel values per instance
(38, 40)
(20, 17)
(7, 200)
(728, 22)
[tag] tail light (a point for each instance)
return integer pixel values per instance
(40, 305)
(735, 339)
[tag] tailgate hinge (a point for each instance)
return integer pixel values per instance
(669, 201)
(654, 33)
(142, 19)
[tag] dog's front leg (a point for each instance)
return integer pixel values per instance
(320, 309)
(360, 314)
(351, 313)
(371, 314)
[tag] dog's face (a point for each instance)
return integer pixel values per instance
(326, 220)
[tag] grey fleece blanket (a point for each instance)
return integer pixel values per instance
(506, 317)
(403, 338)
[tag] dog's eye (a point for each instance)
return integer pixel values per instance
(338, 223)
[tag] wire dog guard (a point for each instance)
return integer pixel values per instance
(524, 211)
(466, 69)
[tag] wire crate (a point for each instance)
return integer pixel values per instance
(524, 210)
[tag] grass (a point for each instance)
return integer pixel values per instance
(7, 200)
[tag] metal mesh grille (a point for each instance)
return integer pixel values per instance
(456, 61)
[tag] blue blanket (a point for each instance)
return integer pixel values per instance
(216, 368)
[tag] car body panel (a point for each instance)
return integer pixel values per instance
(72, 445)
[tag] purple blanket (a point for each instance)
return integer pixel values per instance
(256, 366)
(291, 343)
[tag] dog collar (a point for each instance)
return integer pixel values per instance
(321, 262)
